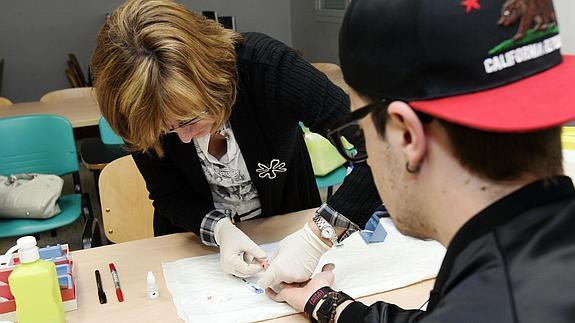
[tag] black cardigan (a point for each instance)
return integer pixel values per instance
(276, 90)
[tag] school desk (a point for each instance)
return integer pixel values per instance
(134, 259)
(81, 112)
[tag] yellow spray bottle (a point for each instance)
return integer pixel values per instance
(34, 284)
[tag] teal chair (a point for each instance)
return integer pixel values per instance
(332, 179)
(44, 144)
(96, 153)
(108, 136)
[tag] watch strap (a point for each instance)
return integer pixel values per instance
(324, 311)
(314, 299)
(327, 310)
(343, 297)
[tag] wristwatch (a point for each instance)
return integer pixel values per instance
(326, 230)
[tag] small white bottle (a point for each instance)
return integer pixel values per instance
(153, 292)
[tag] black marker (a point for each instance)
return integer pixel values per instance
(101, 294)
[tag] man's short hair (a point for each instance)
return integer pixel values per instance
(498, 156)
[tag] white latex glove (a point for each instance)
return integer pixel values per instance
(296, 259)
(237, 250)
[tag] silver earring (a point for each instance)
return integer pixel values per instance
(412, 170)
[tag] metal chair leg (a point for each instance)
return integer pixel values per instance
(96, 174)
(89, 221)
(91, 236)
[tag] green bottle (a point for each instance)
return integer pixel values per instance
(34, 284)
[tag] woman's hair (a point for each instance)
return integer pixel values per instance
(156, 63)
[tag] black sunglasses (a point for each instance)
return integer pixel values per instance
(349, 128)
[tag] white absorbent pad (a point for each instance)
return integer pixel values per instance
(203, 293)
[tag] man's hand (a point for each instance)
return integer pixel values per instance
(237, 250)
(296, 259)
(297, 295)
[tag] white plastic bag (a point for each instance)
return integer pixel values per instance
(30, 196)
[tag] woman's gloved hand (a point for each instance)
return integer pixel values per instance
(296, 259)
(237, 250)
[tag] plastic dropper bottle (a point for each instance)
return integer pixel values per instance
(34, 284)
(152, 287)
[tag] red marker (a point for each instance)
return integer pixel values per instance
(116, 280)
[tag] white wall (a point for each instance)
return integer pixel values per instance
(565, 10)
(317, 40)
(37, 35)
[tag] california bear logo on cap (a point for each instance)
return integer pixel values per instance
(539, 12)
(526, 44)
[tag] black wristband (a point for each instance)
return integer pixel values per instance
(314, 299)
(326, 313)
(343, 297)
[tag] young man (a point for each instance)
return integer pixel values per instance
(462, 121)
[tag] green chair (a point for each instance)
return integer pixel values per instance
(328, 166)
(108, 136)
(44, 144)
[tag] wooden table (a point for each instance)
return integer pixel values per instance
(81, 112)
(134, 259)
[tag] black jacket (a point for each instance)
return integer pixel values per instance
(512, 262)
(276, 90)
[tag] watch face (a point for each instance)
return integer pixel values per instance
(327, 232)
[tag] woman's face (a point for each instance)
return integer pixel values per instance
(194, 129)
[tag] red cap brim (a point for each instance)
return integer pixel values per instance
(540, 101)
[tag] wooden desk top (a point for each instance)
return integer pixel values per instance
(81, 112)
(134, 259)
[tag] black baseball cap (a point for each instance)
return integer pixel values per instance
(493, 65)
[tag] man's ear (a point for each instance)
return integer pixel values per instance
(409, 133)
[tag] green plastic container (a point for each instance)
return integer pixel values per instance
(34, 284)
